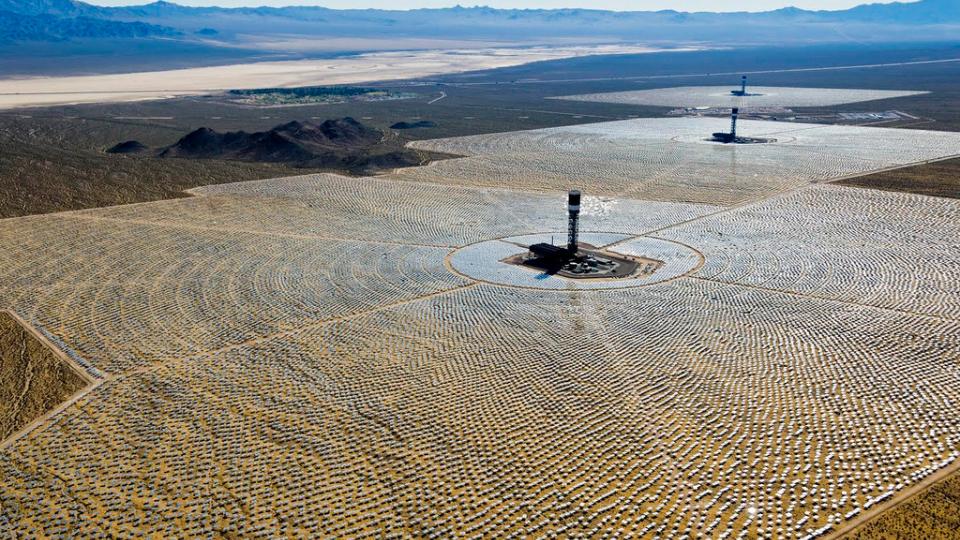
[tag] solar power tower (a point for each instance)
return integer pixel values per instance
(573, 211)
(743, 87)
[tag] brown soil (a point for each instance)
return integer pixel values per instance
(35, 179)
(934, 514)
(939, 179)
(929, 509)
(33, 379)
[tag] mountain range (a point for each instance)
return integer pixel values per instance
(57, 20)
(64, 20)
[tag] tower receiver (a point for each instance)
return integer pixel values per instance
(573, 218)
(743, 87)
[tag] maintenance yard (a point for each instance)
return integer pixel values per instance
(323, 356)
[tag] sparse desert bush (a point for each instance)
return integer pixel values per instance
(33, 380)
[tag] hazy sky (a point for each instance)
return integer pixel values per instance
(638, 5)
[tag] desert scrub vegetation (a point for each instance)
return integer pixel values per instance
(939, 179)
(35, 179)
(33, 380)
(932, 514)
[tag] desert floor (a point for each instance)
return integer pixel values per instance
(369, 67)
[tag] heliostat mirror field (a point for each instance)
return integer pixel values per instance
(758, 96)
(302, 357)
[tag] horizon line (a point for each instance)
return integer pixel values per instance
(255, 5)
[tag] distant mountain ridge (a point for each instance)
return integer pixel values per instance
(62, 8)
(17, 27)
(870, 22)
(926, 11)
(901, 12)
(57, 20)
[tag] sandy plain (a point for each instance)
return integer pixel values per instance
(379, 66)
(294, 357)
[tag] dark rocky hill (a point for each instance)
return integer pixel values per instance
(413, 125)
(128, 147)
(340, 144)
